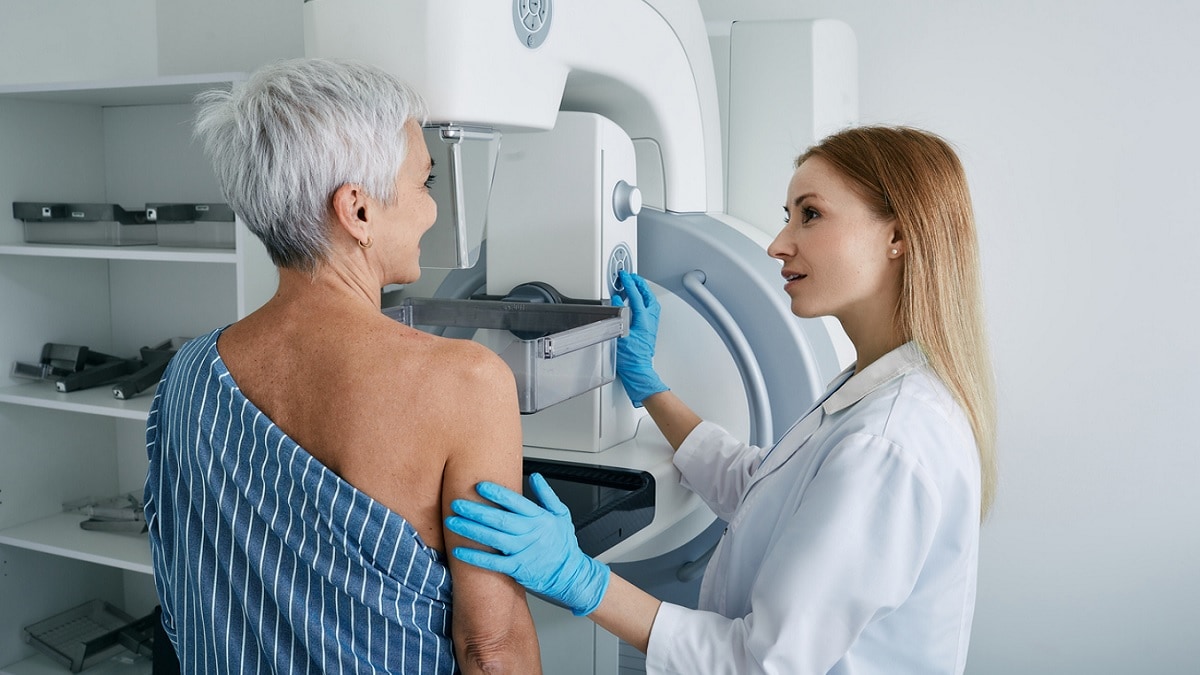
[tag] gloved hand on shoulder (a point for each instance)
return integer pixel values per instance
(537, 546)
(635, 352)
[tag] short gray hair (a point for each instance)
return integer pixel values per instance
(283, 142)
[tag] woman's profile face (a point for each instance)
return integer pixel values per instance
(414, 210)
(837, 255)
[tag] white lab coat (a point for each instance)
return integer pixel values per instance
(852, 545)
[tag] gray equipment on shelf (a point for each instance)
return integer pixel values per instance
(90, 633)
(75, 367)
(86, 224)
(122, 513)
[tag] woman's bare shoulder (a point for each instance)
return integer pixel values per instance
(463, 370)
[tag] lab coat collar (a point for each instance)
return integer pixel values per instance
(901, 360)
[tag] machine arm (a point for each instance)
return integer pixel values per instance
(645, 64)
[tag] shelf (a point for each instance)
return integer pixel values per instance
(41, 664)
(146, 91)
(61, 535)
(94, 401)
(155, 253)
(122, 140)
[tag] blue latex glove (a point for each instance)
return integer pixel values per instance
(635, 352)
(536, 545)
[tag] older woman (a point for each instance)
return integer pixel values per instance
(853, 543)
(302, 459)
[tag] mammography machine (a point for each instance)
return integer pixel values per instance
(575, 138)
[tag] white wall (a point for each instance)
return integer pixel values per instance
(1077, 122)
(81, 40)
(76, 40)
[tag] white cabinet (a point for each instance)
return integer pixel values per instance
(127, 143)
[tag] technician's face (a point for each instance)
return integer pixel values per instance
(836, 254)
(414, 210)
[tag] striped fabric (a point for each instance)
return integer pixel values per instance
(267, 561)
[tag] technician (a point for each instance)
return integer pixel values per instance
(852, 544)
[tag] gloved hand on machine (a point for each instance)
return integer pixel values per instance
(635, 352)
(537, 546)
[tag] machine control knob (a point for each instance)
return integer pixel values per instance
(621, 258)
(627, 200)
(531, 18)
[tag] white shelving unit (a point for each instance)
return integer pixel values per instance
(129, 143)
(158, 253)
(60, 534)
(97, 401)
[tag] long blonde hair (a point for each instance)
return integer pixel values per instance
(915, 178)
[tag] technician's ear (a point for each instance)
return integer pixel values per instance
(351, 210)
(896, 247)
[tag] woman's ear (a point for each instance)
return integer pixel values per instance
(352, 210)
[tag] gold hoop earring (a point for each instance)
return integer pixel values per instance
(366, 244)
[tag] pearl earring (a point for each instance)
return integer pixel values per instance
(895, 251)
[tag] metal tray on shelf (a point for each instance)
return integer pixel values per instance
(84, 224)
(193, 225)
(82, 636)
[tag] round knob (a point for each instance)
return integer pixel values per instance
(627, 200)
(533, 291)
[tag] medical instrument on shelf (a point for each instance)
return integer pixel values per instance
(121, 513)
(76, 367)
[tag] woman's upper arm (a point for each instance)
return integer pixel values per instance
(492, 623)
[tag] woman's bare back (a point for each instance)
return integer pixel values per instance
(376, 402)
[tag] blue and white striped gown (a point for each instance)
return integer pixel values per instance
(267, 561)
